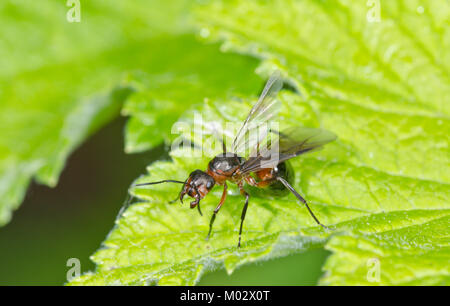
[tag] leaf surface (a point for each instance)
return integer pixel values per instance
(383, 186)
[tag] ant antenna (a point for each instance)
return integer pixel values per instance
(130, 197)
(126, 204)
(160, 182)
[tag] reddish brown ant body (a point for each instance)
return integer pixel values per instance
(260, 169)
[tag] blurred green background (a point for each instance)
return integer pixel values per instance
(72, 219)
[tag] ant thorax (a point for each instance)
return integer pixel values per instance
(223, 166)
(226, 162)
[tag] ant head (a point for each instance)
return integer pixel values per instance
(197, 186)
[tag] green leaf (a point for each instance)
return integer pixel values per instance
(382, 87)
(60, 82)
(159, 243)
(383, 185)
(330, 46)
(192, 73)
(410, 248)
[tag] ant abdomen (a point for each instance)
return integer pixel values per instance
(274, 188)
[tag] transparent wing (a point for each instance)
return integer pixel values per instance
(256, 127)
(285, 145)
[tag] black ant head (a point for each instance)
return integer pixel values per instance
(197, 186)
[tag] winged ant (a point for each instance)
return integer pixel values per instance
(266, 166)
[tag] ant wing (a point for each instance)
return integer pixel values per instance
(281, 146)
(255, 128)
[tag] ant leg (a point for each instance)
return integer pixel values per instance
(199, 210)
(174, 200)
(252, 182)
(291, 189)
(197, 201)
(244, 211)
(222, 139)
(213, 217)
(224, 146)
